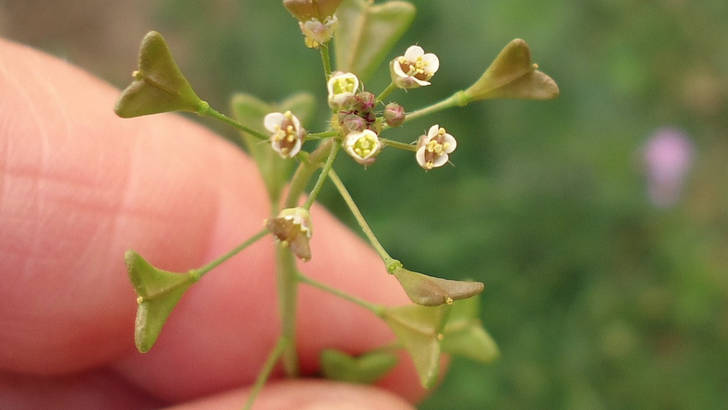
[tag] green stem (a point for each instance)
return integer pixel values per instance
(388, 260)
(322, 176)
(376, 309)
(457, 99)
(321, 135)
(385, 93)
(326, 60)
(212, 265)
(285, 262)
(304, 172)
(287, 297)
(208, 111)
(399, 145)
(266, 371)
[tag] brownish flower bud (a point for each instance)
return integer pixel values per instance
(364, 101)
(394, 114)
(351, 122)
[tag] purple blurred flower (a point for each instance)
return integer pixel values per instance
(668, 155)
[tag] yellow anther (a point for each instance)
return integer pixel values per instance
(291, 137)
(441, 131)
(140, 300)
(289, 129)
(448, 300)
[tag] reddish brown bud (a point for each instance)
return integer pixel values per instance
(394, 114)
(364, 101)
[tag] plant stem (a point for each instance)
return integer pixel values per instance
(322, 176)
(385, 93)
(399, 145)
(212, 265)
(326, 60)
(457, 99)
(320, 135)
(388, 260)
(304, 172)
(211, 112)
(267, 369)
(376, 309)
(287, 297)
(285, 262)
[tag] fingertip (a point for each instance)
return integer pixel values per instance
(304, 395)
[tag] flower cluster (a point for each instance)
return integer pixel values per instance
(444, 315)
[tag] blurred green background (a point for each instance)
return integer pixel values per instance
(598, 298)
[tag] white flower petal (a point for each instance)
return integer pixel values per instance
(413, 52)
(451, 143)
(432, 132)
(421, 83)
(439, 161)
(432, 63)
(420, 156)
(273, 121)
(398, 69)
(296, 148)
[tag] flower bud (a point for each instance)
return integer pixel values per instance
(364, 101)
(292, 227)
(394, 114)
(351, 122)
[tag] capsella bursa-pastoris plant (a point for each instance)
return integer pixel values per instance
(443, 316)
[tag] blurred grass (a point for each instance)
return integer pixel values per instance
(597, 299)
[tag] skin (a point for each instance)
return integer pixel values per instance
(79, 186)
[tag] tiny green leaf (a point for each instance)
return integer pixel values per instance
(158, 291)
(419, 328)
(158, 85)
(431, 291)
(513, 75)
(367, 368)
(250, 110)
(366, 32)
(464, 334)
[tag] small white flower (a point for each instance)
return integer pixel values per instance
(433, 148)
(292, 227)
(414, 69)
(286, 133)
(316, 33)
(342, 87)
(363, 146)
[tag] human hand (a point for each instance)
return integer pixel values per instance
(78, 186)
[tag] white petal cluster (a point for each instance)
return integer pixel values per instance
(342, 87)
(433, 149)
(363, 146)
(316, 32)
(286, 133)
(414, 69)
